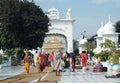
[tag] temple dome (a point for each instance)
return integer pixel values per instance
(100, 31)
(83, 41)
(53, 13)
(53, 10)
(109, 28)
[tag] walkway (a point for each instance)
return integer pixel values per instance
(16, 74)
(88, 77)
(49, 77)
(10, 71)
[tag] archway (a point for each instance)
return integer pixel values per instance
(61, 27)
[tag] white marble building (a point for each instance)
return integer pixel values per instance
(62, 27)
(81, 44)
(107, 31)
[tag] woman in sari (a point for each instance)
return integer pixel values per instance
(27, 62)
(40, 63)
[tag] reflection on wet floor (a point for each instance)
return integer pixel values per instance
(9, 71)
(67, 77)
(88, 77)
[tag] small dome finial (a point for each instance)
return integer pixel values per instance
(101, 23)
(109, 19)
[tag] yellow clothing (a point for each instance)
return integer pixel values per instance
(27, 61)
(27, 67)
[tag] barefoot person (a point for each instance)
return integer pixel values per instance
(51, 58)
(84, 57)
(27, 62)
(40, 63)
(57, 63)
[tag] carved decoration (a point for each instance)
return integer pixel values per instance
(53, 44)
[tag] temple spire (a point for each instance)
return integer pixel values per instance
(101, 23)
(109, 19)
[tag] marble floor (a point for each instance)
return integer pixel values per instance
(10, 71)
(67, 77)
(88, 77)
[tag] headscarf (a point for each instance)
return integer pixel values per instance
(99, 60)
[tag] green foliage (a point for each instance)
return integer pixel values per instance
(20, 54)
(108, 44)
(10, 52)
(5, 58)
(89, 46)
(104, 55)
(0, 58)
(17, 51)
(13, 58)
(112, 55)
(92, 53)
(114, 58)
(23, 24)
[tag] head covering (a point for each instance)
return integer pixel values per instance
(99, 60)
(83, 51)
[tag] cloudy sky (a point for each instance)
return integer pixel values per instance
(87, 13)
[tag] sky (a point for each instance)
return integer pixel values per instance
(88, 14)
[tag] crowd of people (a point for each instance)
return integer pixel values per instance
(59, 61)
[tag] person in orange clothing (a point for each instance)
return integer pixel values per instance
(27, 62)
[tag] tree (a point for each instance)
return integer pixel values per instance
(89, 46)
(104, 55)
(23, 25)
(108, 44)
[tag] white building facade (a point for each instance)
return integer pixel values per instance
(107, 31)
(63, 27)
(81, 44)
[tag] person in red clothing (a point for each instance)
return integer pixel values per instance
(40, 59)
(84, 57)
(51, 58)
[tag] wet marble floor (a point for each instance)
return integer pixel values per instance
(67, 77)
(88, 77)
(10, 71)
